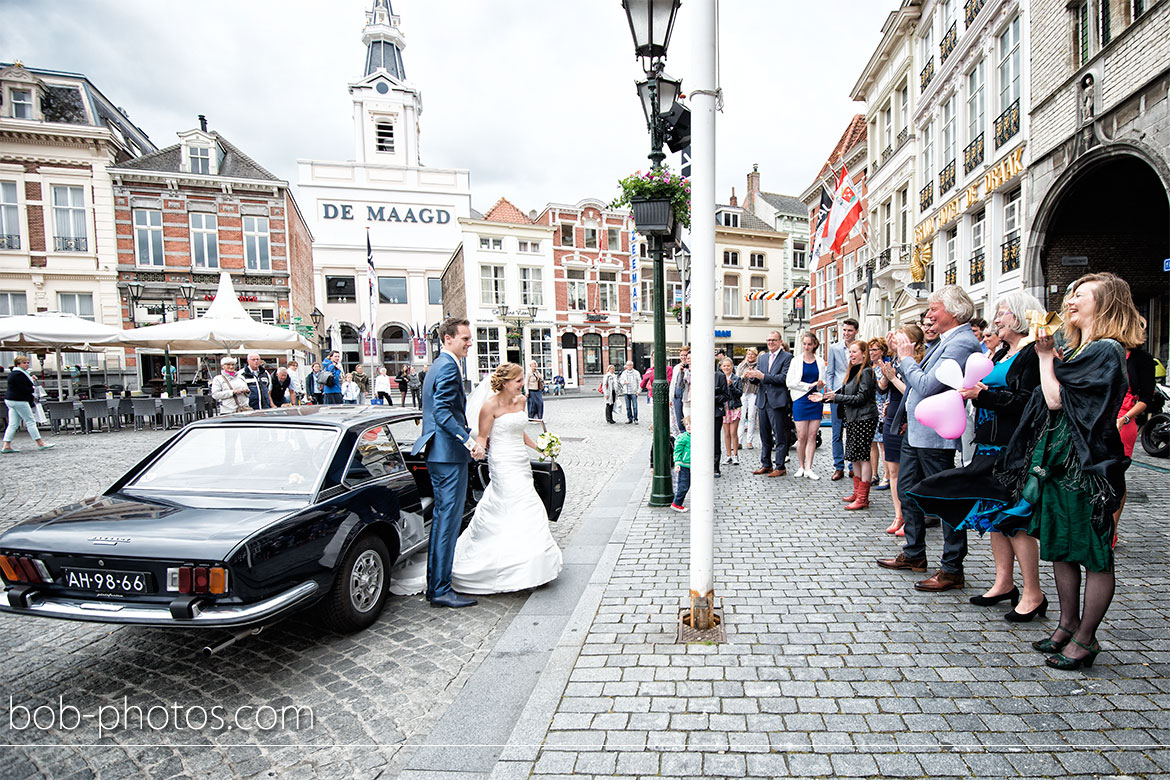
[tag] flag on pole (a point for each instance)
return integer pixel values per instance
(820, 224)
(845, 213)
(372, 278)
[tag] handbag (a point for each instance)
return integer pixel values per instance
(324, 378)
(39, 414)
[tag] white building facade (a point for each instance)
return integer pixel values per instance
(409, 212)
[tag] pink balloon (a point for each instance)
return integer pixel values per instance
(945, 413)
(978, 367)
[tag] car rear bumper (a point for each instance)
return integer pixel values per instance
(202, 616)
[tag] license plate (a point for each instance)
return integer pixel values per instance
(109, 581)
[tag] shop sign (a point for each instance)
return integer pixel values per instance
(387, 213)
(1004, 171)
(722, 334)
(594, 316)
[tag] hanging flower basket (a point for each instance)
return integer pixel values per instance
(677, 311)
(658, 199)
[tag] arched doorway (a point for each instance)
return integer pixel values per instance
(591, 348)
(351, 346)
(1111, 215)
(396, 346)
(569, 368)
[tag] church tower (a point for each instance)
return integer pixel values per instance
(386, 106)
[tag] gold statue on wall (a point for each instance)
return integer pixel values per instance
(919, 260)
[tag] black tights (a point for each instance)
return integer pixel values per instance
(1099, 586)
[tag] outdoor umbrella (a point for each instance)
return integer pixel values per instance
(56, 331)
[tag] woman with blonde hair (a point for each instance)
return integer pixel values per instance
(879, 353)
(805, 377)
(747, 421)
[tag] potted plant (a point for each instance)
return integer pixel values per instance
(658, 199)
(677, 311)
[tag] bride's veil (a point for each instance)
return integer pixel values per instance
(475, 403)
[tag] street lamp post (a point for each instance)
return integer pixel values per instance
(318, 319)
(651, 23)
(682, 261)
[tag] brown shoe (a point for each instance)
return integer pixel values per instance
(942, 580)
(762, 471)
(902, 562)
(838, 474)
(777, 472)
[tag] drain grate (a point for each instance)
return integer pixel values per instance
(716, 634)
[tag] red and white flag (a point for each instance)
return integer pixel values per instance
(846, 211)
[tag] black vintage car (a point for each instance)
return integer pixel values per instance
(239, 520)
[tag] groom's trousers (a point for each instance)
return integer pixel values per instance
(449, 481)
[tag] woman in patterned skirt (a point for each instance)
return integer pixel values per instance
(861, 419)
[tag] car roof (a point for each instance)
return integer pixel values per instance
(341, 416)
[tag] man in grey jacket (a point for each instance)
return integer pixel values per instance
(924, 452)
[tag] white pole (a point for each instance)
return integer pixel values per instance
(703, 104)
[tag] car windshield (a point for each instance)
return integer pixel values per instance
(242, 459)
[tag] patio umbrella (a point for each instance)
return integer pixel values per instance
(56, 331)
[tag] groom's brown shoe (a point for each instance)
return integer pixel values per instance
(902, 562)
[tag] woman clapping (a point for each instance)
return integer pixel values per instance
(861, 419)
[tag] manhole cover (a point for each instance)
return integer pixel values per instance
(715, 634)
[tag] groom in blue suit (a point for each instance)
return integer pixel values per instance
(450, 448)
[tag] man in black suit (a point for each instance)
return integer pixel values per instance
(722, 393)
(772, 402)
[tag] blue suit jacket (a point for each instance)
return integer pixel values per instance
(773, 392)
(921, 383)
(444, 428)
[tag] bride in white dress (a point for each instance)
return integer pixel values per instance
(507, 546)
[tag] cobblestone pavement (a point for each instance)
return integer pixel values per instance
(834, 667)
(368, 693)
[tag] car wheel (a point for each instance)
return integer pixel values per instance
(359, 591)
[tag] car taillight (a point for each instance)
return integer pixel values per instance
(197, 579)
(24, 570)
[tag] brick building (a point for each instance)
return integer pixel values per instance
(187, 212)
(1100, 151)
(591, 267)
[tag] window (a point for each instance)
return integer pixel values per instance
(642, 249)
(540, 350)
(435, 291)
(951, 245)
(200, 159)
(948, 137)
(340, 289)
(847, 265)
(529, 246)
(1011, 216)
(928, 153)
(731, 258)
(491, 285)
(613, 239)
(531, 287)
(904, 108)
(12, 303)
(384, 137)
(575, 286)
(80, 304)
(1009, 65)
(392, 289)
(977, 230)
(887, 225)
(799, 254)
(590, 238)
(607, 291)
(566, 234)
(148, 236)
(728, 219)
(69, 218)
(831, 284)
(756, 260)
(757, 307)
(22, 104)
(9, 226)
(376, 455)
(617, 350)
(975, 102)
(947, 12)
(1081, 34)
(730, 295)
(491, 244)
(487, 349)
(904, 216)
(674, 289)
(928, 41)
(591, 346)
(204, 247)
(646, 296)
(1104, 23)
(256, 244)
(888, 126)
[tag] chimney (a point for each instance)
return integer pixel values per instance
(734, 200)
(203, 123)
(753, 187)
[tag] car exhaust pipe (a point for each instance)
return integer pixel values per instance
(211, 650)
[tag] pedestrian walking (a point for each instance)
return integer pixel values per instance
(836, 364)
(629, 382)
(682, 465)
(806, 377)
(609, 391)
(680, 389)
(414, 382)
(229, 388)
(748, 420)
(330, 388)
(734, 411)
(21, 400)
(403, 385)
(382, 389)
(534, 384)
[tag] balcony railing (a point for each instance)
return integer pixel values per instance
(973, 154)
(887, 153)
(1007, 124)
(859, 274)
(971, 9)
(9, 242)
(947, 44)
(978, 273)
(926, 196)
(927, 74)
(951, 275)
(65, 244)
(883, 258)
(903, 136)
(946, 178)
(1010, 260)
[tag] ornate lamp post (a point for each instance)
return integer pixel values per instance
(651, 22)
(318, 319)
(682, 261)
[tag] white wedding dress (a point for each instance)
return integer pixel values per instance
(507, 546)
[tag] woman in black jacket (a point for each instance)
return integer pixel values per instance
(858, 396)
(19, 398)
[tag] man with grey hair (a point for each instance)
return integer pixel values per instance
(259, 383)
(924, 451)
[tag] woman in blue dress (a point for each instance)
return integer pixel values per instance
(806, 374)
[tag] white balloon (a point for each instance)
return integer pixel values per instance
(950, 373)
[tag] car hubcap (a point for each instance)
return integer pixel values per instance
(365, 581)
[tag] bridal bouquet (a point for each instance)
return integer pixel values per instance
(548, 444)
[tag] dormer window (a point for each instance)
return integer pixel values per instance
(200, 159)
(728, 219)
(384, 136)
(22, 104)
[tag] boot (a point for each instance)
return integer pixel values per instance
(853, 496)
(862, 501)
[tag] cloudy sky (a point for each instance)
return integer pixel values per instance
(535, 97)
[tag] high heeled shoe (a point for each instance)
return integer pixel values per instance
(1062, 661)
(1026, 617)
(894, 526)
(1050, 645)
(988, 601)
